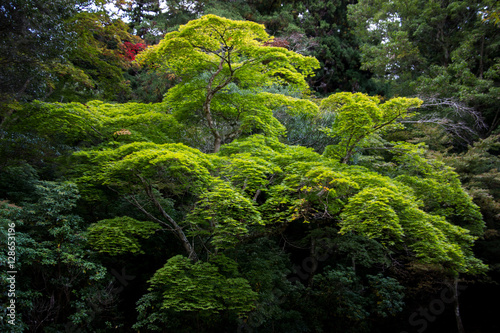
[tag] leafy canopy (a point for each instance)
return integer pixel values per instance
(358, 116)
(224, 68)
(201, 45)
(202, 286)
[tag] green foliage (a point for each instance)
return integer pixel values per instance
(96, 65)
(260, 236)
(34, 35)
(388, 298)
(317, 28)
(478, 169)
(358, 116)
(265, 266)
(391, 60)
(349, 301)
(120, 235)
(337, 46)
(224, 214)
(247, 172)
(223, 65)
(390, 217)
(303, 130)
(199, 43)
(439, 187)
(202, 287)
(17, 182)
(95, 121)
(434, 49)
(173, 167)
(361, 250)
(367, 209)
(52, 254)
(258, 146)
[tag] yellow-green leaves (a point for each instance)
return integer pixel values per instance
(172, 167)
(202, 286)
(120, 235)
(201, 44)
(224, 66)
(224, 214)
(358, 116)
(96, 121)
(393, 217)
(247, 172)
(439, 187)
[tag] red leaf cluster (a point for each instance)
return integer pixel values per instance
(130, 50)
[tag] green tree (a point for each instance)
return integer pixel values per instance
(478, 169)
(358, 116)
(32, 34)
(337, 46)
(99, 60)
(201, 288)
(137, 11)
(96, 122)
(434, 49)
(257, 186)
(317, 28)
(62, 283)
(214, 56)
(218, 234)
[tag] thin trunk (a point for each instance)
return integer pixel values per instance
(208, 101)
(441, 39)
(481, 69)
(256, 195)
(493, 123)
(177, 230)
(314, 263)
(4, 120)
(456, 306)
(217, 143)
(347, 157)
(23, 88)
(208, 116)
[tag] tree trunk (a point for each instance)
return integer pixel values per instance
(178, 231)
(481, 67)
(208, 116)
(314, 263)
(456, 306)
(217, 142)
(208, 101)
(175, 228)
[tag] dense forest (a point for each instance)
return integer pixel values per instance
(250, 166)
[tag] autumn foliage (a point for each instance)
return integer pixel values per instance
(130, 50)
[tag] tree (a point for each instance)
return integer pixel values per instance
(32, 34)
(62, 282)
(357, 116)
(103, 53)
(212, 204)
(261, 235)
(202, 288)
(439, 189)
(317, 28)
(137, 11)
(212, 55)
(337, 46)
(434, 50)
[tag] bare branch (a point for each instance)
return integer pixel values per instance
(133, 200)
(451, 115)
